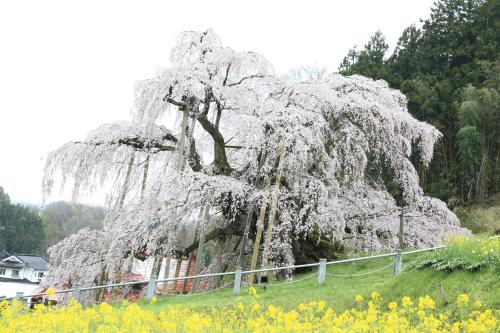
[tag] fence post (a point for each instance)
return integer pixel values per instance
(151, 288)
(77, 292)
(19, 296)
(322, 271)
(237, 280)
(398, 261)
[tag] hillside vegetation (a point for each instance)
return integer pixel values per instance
(481, 218)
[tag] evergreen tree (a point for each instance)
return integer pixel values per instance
(21, 229)
(369, 61)
(448, 70)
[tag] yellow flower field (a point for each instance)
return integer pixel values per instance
(369, 314)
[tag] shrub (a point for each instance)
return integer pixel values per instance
(463, 254)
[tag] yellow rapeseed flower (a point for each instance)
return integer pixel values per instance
(406, 302)
(358, 299)
(252, 291)
(393, 306)
(315, 316)
(375, 296)
(463, 299)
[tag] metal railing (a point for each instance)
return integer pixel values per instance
(238, 274)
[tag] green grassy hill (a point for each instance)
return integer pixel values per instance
(339, 292)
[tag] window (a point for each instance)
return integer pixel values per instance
(2, 271)
(15, 273)
(40, 274)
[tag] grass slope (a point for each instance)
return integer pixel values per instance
(339, 292)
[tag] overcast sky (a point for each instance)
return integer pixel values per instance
(68, 66)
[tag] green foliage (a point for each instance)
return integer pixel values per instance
(369, 61)
(463, 254)
(478, 143)
(469, 140)
(33, 230)
(481, 219)
(449, 71)
(21, 229)
(61, 219)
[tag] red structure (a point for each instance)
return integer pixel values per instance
(184, 286)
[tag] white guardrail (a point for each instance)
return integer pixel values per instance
(238, 274)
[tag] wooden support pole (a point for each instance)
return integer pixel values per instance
(155, 270)
(260, 227)
(201, 245)
(144, 176)
(166, 272)
(401, 224)
(190, 261)
(182, 141)
(220, 252)
(248, 222)
(176, 275)
(272, 212)
(179, 168)
(126, 181)
(184, 282)
(241, 259)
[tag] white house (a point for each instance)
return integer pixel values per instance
(21, 268)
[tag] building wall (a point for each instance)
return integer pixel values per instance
(24, 273)
(9, 289)
(9, 271)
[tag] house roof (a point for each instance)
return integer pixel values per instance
(11, 264)
(38, 263)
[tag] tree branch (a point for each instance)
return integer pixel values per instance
(220, 158)
(255, 76)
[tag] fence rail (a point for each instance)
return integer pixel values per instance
(238, 274)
